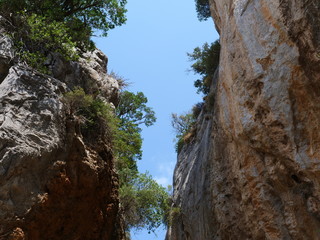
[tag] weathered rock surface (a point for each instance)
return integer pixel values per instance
(89, 73)
(6, 56)
(54, 183)
(253, 171)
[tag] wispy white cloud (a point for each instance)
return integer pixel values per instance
(166, 167)
(165, 173)
(164, 181)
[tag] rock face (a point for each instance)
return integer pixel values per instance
(54, 183)
(253, 171)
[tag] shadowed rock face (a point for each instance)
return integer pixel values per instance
(253, 171)
(54, 183)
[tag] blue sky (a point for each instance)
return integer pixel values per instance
(150, 51)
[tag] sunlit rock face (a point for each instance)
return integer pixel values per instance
(253, 170)
(54, 183)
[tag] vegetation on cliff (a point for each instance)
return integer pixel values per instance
(39, 28)
(144, 203)
(80, 15)
(205, 63)
(206, 60)
(203, 9)
(184, 125)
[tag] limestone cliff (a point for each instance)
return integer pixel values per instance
(253, 170)
(54, 182)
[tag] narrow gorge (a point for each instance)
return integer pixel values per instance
(249, 168)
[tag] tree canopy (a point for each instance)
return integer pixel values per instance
(203, 9)
(132, 112)
(133, 108)
(41, 27)
(144, 203)
(94, 14)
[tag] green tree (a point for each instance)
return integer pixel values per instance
(203, 9)
(144, 203)
(96, 14)
(206, 62)
(132, 108)
(37, 37)
(132, 112)
(40, 27)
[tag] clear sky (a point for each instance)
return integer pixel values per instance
(150, 51)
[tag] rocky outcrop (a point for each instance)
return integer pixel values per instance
(89, 73)
(54, 183)
(6, 56)
(253, 171)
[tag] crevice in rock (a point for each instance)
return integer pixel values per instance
(296, 178)
(4, 69)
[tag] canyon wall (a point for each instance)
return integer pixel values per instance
(55, 183)
(253, 169)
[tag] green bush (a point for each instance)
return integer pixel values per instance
(77, 100)
(183, 125)
(172, 215)
(35, 60)
(52, 36)
(196, 109)
(97, 119)
(179, 144)
(48, 26)
(206, 62)
(36, 36)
